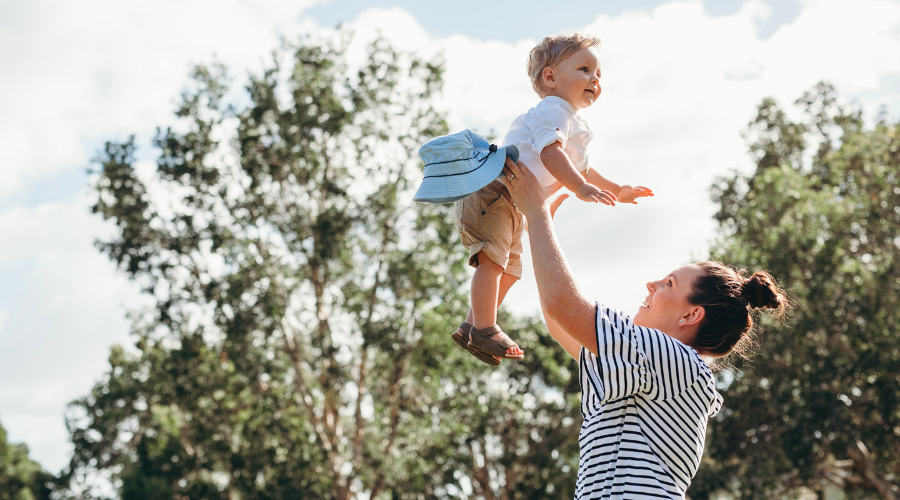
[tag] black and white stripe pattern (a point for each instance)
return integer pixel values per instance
(646, 399)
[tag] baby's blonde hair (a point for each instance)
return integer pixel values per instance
(553, 50)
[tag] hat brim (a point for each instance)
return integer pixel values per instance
(448, 189)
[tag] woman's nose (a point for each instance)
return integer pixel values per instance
(651, 286)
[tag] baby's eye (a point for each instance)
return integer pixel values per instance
(584, 69)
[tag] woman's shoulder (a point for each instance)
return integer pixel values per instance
(610, 317)
(657, 348)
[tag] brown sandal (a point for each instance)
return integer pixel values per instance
(461, 337)
(484, 341)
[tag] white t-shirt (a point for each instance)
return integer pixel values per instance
(646, 399)
(553, 119)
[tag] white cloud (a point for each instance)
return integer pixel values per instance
(679, 86)
(89, 71)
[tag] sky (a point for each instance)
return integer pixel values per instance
(681, 80)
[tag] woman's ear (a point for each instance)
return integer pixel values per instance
(693, 316)
(549, 77)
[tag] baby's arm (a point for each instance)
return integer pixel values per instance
(601, 182)
(560, 166)
(624, 193)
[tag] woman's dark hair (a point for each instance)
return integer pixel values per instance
(729, 299)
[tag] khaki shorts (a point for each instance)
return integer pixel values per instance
(489, 222)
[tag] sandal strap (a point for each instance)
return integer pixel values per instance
(505, 342)
(484, 340)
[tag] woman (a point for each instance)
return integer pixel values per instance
(646, 392)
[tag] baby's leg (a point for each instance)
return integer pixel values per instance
(485, 293)
(489, 287)
(491, 229)
(506, 282)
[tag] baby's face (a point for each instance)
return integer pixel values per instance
(576, 79)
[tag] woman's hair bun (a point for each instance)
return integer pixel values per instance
(725, 294)
(761, 291)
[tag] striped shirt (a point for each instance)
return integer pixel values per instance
(646, 400)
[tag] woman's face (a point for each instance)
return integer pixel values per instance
(667, 304)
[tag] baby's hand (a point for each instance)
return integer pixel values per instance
(590, 192)
(627, 194)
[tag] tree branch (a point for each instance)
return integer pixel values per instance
(305, 397)
(864, 463)
(508, 442)
(481, 474)
(394, 399)
(360, 384)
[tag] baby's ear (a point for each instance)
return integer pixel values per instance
(549, 77)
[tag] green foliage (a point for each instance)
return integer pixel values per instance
(300, 346)
(820, 403)
(20, 477)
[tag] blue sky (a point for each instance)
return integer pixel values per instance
(512, 20)
(681, 80)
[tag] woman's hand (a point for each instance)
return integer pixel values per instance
(528, 194)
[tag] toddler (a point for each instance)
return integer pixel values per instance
(552, 140)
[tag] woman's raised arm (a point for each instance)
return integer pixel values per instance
(561, 300)
(565, 340)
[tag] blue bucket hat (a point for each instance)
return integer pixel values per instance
(459, 164)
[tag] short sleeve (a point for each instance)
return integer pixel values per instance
(619, 369)
(634, 360)
(549, 126)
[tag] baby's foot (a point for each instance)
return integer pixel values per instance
(461, 337)
(493, 341)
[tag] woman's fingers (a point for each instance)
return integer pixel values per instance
(514, 172)
(508, 168)
(513, 166)
(509, 173)
(527, 193)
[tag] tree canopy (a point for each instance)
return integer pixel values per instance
(20, 477)
(300, 346)
(820, 403)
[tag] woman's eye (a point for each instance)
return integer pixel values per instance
(670, 282)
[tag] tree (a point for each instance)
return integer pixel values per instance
(299, 346)
(820, 404)
(20, 477)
